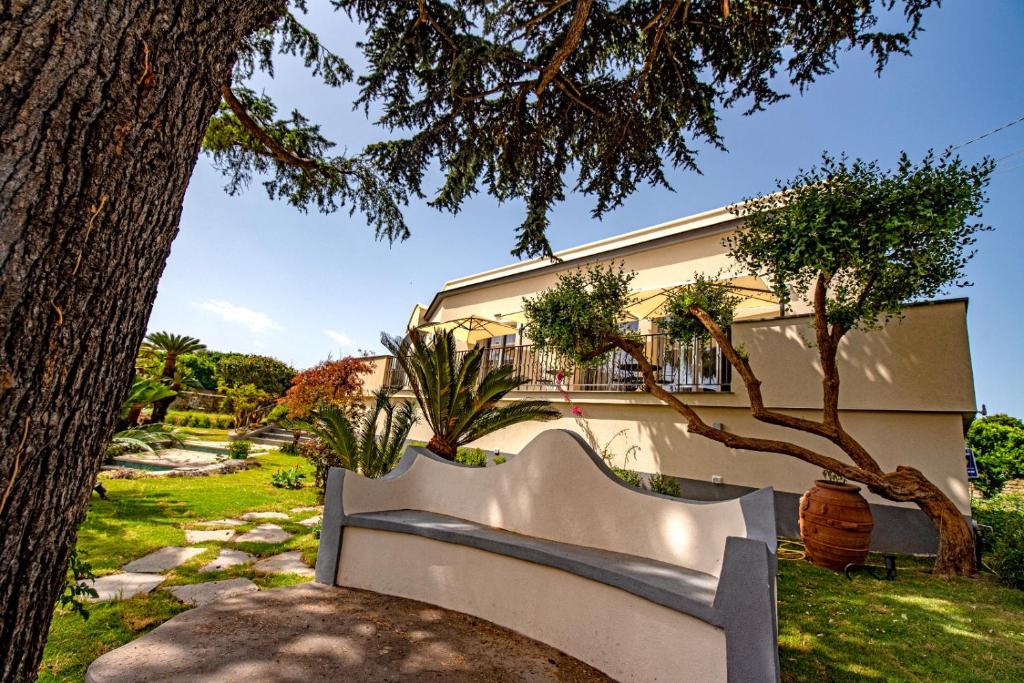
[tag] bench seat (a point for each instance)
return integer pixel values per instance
(678, 588)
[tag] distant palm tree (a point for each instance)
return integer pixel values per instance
(170, 346)
(459, 402)
(365, 444)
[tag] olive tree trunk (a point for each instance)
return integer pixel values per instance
(103, 104)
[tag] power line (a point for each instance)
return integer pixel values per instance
(991, 132)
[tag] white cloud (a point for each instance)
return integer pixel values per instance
(338, 337)
(254, 320)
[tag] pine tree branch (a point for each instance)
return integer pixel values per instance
(572, 39)
(276, 149)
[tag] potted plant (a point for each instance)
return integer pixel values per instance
(835, 523)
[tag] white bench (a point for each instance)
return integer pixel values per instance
(553, 545)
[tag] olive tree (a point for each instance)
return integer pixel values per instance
(855, 242)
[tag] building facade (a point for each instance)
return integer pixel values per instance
(907, 388)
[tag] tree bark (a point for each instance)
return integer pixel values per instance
(103, 104)
(443, 448)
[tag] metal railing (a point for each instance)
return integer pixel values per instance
(678, 368)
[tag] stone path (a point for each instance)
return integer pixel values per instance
(161, 560)
(221, 522)
(123, 585)
(312, 521)
(312, 632)
(285, 563)
(228, 557)
(204, 535)
(147, 572)
(264, 515)
(200, 594)
(264, 533)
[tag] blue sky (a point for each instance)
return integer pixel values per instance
(247, 274)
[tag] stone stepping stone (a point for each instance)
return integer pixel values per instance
(228, 557)
(312, 521)
(161, 560)
(264, 515)
(123, 585)
(203, 535)
(285, 563)
(309, 508)
(264, 533)
(221, 522)
(199, 594)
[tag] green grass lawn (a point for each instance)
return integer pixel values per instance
(142, 515)
(830, 629)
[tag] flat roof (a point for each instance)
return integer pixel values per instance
(599, 247)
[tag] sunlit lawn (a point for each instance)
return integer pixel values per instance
(142, 515)
(916, 628)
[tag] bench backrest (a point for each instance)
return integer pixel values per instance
(558, 489)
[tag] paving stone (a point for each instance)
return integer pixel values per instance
(203, 535)
(264, 515)
(309, 508)
(228, 557)
(312, 521)
(161, 560)
(285, 563)
(264, 533)
(200, 594)
(221, 522)
(124, 585)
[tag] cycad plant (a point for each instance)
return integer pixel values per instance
(459, 402)
(371, 444)
(170, 346)
(142, 393)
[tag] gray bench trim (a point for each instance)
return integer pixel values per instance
(683, 590)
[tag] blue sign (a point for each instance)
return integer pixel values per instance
(972, 464)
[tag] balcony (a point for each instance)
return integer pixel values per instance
(679, 368)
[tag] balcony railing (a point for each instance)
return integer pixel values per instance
(679, 368)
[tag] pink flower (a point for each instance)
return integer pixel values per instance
(576, 411)
(560, 376)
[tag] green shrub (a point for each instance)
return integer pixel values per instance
(499, 460)
(631, 477)
(239, 449)
(287, 479)
(664, 484)
(998, 445)
(318, 529)
(276, 414)
(474, 457)
(1004, 544)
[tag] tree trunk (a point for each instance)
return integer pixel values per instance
(103, 104)
(160, 407)
(441, 447)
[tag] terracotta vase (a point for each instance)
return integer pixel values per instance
(835, 525)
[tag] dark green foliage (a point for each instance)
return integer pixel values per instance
(473, 457)
(176, 344)
(1005, 541)
(514, 97)
(713, 297)
(75, 593)
(290, 478)
(664, 484)
(998, 445)
(184, 418)
(578, 316)
(459, 403)
(265, 373)
(201, 368)
(239, 449)
(881, 238)
(371, 444)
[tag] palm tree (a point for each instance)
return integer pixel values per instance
(171, 346)
(365, 444)
(142, 393)
(459, 402)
